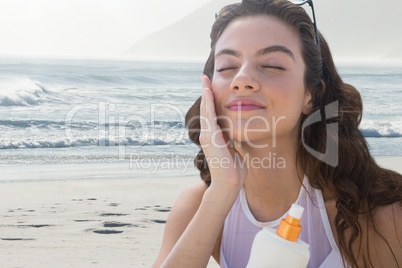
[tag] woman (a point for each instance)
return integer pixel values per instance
(262, 149)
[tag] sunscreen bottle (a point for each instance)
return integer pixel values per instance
(281, 247)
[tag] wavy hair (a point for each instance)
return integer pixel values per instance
(357, 182)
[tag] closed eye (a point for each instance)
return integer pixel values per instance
(273, 67)
(225, 69)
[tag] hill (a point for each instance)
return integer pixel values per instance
(355, 30)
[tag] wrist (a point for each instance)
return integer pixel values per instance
(220, 198)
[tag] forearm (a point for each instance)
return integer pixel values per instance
(195, 246)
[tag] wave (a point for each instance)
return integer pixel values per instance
(23, 92)
(375, 133)
(85, 125)
(86, 142)
(30, 123)
(134, 141)
(61, 134)
(171, 140)
(375, 129)
(368, 128)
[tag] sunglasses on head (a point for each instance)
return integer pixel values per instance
(310, 3)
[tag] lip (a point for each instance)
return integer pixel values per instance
(244, 105)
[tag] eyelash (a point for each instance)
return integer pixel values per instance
(225, 69)
(274, 67)
(264, 66)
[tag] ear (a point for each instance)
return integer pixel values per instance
(308, 101)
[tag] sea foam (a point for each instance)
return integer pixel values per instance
(22, 91)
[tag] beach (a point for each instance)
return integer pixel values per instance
(110, 216)
(96, 221)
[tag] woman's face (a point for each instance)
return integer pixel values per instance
(258, 81)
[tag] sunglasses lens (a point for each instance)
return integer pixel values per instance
(299, 2)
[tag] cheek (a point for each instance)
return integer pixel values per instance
(289, 91)
(288, 103)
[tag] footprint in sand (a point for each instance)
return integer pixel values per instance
(17, 239)
(156, 208)
(114, 224)
(107, 232)
(163, 209)
(159, 221)
(34, 225)
(84, 220)
(112, 214)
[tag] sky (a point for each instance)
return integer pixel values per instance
(108, 28)
(83, 28)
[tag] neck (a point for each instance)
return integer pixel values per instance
(274, 180)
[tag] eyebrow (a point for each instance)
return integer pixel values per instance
(261, 52)
(276, 48)
(230, 52)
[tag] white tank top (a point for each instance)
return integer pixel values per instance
(241, 227)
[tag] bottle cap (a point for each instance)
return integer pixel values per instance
(296, 211)
(290, 228)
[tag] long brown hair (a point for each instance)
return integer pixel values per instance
(357, 182)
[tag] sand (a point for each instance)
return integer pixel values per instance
(90, 215)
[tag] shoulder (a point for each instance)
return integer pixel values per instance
(381, 239)
(387, 215)
(188, 201)
(384, 236)
(388, 221)
(183, 210)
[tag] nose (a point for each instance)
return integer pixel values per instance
(244, 80)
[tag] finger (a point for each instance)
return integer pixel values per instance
(209, 99)
(206, 84)
(205, 81)
(206, 100)
(209, 126)
(205, 120)
(204, 124)
(203, 107)
(209, 106)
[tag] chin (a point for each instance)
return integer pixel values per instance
(255, 132)
(260, 140)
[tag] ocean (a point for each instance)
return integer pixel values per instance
(99, 111)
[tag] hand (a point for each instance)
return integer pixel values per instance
(225, 163)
